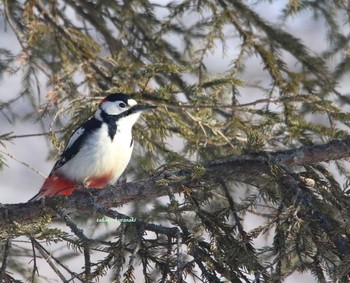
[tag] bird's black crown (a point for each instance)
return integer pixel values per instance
(117, 97)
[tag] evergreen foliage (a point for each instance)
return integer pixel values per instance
(260, 224)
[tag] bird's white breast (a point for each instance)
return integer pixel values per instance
(101, 155)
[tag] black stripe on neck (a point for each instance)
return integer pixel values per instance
(110, 120)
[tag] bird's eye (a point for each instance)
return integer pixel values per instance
(122, 105)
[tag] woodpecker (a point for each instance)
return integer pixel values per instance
(98, 151)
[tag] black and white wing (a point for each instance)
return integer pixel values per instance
(76, 141)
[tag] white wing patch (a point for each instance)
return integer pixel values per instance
(75, 136)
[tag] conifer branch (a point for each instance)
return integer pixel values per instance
(235, 167)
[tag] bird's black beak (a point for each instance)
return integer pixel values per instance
(142, 107)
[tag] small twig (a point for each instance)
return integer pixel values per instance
(179, 259)
(29, 135)
(140, 232)
(22, 38)
(8, 103)
(168, 257)
(225, 138)
(233, 209)
(58, 113)
(35, 267)
(4, 259)
(47, 256)
(282, 99)
(87, 263)
(118, 265)
(23, 163)
(74, 228)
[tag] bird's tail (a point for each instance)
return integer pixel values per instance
(56, 185)
(36, 197)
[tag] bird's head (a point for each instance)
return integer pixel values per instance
(117, 106)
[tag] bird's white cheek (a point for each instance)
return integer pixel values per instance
(111, 108)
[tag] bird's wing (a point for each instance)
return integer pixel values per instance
(76, 141)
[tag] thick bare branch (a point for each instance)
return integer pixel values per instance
(241, 168)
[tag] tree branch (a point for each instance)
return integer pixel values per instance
(242, 168)
(235, 167)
